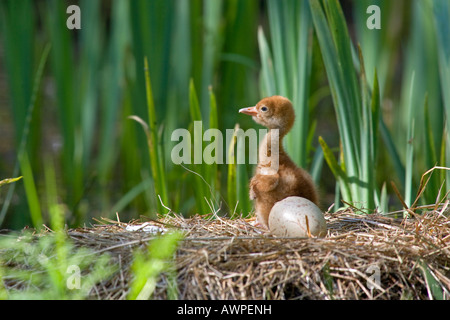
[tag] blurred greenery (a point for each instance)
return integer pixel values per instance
(41, 268)
(206, 59)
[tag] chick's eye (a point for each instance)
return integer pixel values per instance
(264, 109)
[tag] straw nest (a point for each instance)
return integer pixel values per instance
(362, 257)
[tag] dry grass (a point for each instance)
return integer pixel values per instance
(362, 257)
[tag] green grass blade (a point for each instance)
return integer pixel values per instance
(213, 124)
(268, 82)
(127, 198)
(369, 136)
(24, 140)
(211, 45)
(410, 148)
(31, 191)
(112, 93)
(337, 170)
(441, 10)
(63, 69)
(56, 213)
(156, 157)
(433, 285)
(339, 92)
(341, 76)
(201, 190)
(276, 26)
(286, 67)
(148, 265)
(301, 83)
(392, 151)
(242, 180)
(90, 58)
(194, 105)
(232, 168)
(317, 164)
(17, 31)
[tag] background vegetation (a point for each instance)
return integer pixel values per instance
(378, 99)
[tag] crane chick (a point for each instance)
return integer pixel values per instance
(277, 176)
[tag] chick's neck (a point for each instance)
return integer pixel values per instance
(271, 151)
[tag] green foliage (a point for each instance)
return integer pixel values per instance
(237, 176)
(357, 115)
(148, 264)
(45, 268)
(154, 144)
(441, 11)
(435, 289)
(286, 66)
(205, 60)
(410, 144)
(98, 78)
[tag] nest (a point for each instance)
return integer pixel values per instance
(362, 257)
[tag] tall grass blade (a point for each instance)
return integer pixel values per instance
(268, 84)
(112, 93)
(335, 46)
(244, 205)
(336, 169)
(214, 124)
(63, 69)
(441, 10)
(410, 148)
(89, 76)
(31, 191)
(23, 142)
(154, 145)
(232, 169)
(203, 170)
(433, 285)
(370, 119)
(286, 67)
(211, 45)
(17, 30)
(339, 92)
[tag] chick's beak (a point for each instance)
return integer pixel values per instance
(251, 111)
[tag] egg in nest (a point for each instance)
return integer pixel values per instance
(297, 217)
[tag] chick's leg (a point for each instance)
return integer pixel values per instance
(262, 216)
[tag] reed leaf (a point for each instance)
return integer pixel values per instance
(336, 52)
(31, 191)
(63, 69)
(154, 145)
(336, 169)
(214, 124)
(112, 95)
(286, 67)
(410, 150)
(232, 169)
(202, 170)
(22, 149)
(441, 11)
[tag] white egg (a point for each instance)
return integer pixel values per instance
(293, 216)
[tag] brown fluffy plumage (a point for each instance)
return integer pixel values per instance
(275, 180)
